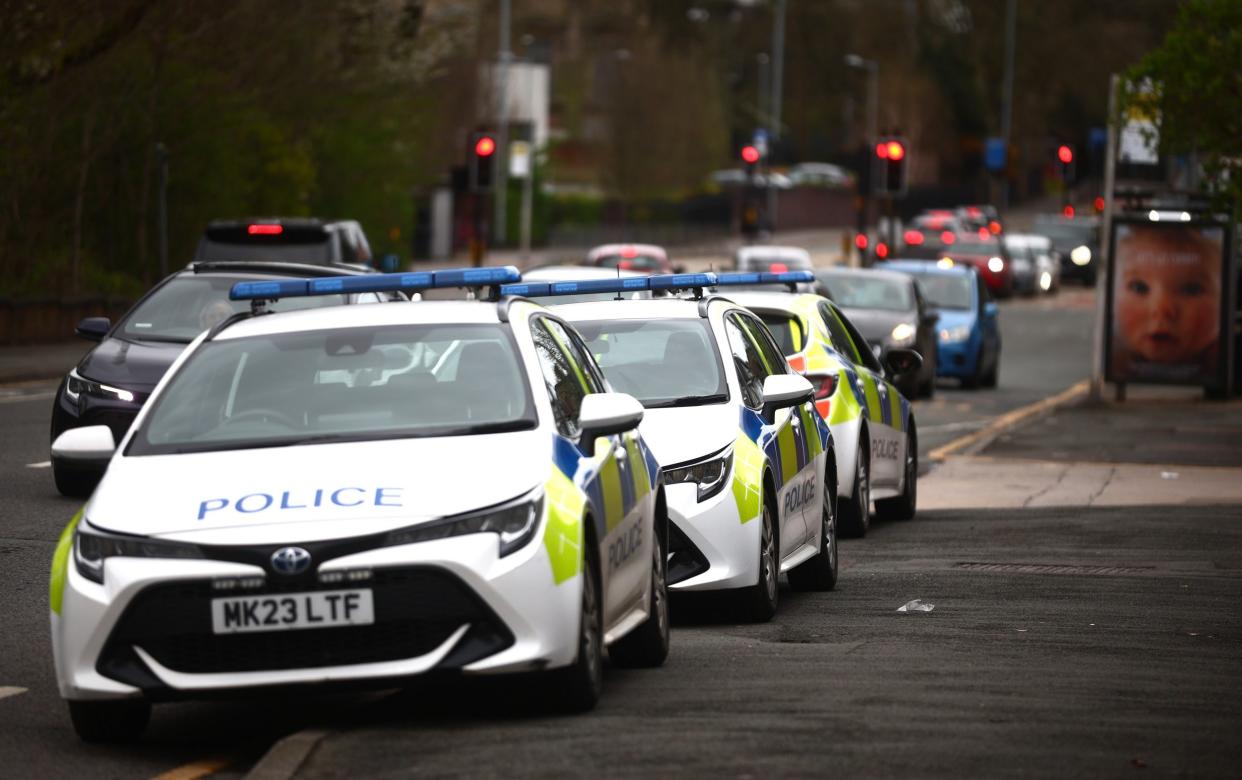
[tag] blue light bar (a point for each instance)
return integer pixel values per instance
(682, 281)
(527, 289)
(578, 286)
(767, 277)
(271, 289)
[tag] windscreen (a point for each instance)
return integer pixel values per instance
(868, 292)
(188, 305)
(341, 385)
(662, 363)
(947, 291)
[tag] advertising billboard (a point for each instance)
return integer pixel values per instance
(1167, 291)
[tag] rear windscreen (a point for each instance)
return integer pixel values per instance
(293, 244)
(786, 330)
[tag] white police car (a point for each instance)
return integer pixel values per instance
(362, 493)
(744, 453)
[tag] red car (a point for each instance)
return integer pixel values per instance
(989, 258)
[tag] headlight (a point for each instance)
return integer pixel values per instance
(903, 333)
(1045, 281)
(1080, 255)
(514, 523)
(710, 475)
(75, 386)
(996, 265)
(91, 547)
(954, 335)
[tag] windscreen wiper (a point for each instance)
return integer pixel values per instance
(689, 400)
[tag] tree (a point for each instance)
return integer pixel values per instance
(1195, 76)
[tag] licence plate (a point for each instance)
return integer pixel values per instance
(288, 611)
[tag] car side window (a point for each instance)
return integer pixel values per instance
(841, 341)
(773, 357)
(746, 357)
(566, 387)
(984, 296)
(591, 374)
(864, 349)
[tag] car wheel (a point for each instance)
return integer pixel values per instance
(580, 684)
(820, 573)
(110, 721)
(75, 483)
(647, 645)
(989, 379)
(902, 507)
(759, 600)
(856, 513)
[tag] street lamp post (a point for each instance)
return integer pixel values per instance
(873, 131)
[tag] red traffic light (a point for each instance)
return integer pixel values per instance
(750, 155)
(1065, 154)
(485, 146)
(1099, 204)
(1067, 211)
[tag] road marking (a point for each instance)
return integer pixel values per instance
(195, 769)
(963, 425)
(12, 399)
(286, 757)
(9, 690)
(43, 464)
(1011, 418)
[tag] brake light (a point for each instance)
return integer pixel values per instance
(947, 237)
(860, 241)
(984, 234)
(778, 268)
(629, 251)
(265, 230)
(995, 227)
(881, 251)
(914, 237)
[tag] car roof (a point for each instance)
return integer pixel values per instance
(773, 250)
(273, 267)
(930, 267)
(647, 308)
(365, 316)
(860, 273)
(558, 273)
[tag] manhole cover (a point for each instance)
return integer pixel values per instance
(1053, 568)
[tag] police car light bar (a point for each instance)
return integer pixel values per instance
(344, 285)
(766, 277)
(622, 285)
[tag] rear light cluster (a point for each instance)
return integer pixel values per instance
(914, 237)
(947, 237)
(265, 230)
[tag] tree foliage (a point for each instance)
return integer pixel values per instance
(1195, 78)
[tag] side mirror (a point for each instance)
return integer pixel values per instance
(93, 328)
(90, 444)
(899, 361)
(604, 414)
(990, 309)
(782, 390)
(390, 264)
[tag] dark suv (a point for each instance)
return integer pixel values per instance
(112, 381)
(285, 239)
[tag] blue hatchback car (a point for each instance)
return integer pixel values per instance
(968, 345)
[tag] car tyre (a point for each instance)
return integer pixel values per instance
(820, 573)
(110, 721)
(579, 685)
(759, 600)
(903, 507)
(647, 646)
(855, 514)
(989, 379)
(75, 483)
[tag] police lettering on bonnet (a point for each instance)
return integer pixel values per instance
(747, 460)
(398, 472)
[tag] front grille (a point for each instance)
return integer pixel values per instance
(416, 610)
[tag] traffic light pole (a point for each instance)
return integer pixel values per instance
(502, 126)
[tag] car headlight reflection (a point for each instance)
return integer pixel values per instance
(75, 386)
(710, 475)
(514, 523)
(91, 547)
(1080, 255)
(955, 335)
(902, 334)
(996, 265)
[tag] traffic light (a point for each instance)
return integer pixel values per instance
(891, 160)
(482, 156)
(1065, 156)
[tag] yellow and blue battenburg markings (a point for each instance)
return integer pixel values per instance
(60, 563)
(788, 450)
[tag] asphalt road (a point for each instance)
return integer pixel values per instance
(1007, 676)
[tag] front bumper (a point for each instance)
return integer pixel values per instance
(957, 358)
(450, 605)
(723, 551)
